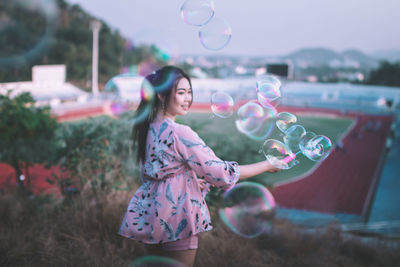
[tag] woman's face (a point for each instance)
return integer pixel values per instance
(180, 99)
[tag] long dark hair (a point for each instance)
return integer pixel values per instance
(163, 81)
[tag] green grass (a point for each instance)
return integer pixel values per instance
(229, 144)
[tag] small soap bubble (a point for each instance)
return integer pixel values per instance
(222, 104)
(216, 34)
(318, 148)
(293, 136)
(268, 90)
(305, 139)
(248, 209)
(284, 120)
(197, 12)
(278, 154)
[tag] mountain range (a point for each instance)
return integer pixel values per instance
(352, 58)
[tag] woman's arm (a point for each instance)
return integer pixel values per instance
(250, 170)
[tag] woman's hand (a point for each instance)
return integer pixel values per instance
(204, 187)
(250, 170)
(271, 168)
(202, 184)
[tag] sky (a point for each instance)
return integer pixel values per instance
(259, 27)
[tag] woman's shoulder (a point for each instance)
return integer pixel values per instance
(178, 129)
(182, 129)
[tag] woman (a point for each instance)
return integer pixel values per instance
(168, 210)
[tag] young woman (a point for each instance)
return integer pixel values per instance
(168, 210)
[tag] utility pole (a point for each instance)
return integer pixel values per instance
(95, 26)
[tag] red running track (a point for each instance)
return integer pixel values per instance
(346, 180)
(37, 183)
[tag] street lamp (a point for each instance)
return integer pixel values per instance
(95, 25)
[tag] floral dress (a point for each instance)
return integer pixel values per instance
(169, 204)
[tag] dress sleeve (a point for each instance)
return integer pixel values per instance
(199, 157)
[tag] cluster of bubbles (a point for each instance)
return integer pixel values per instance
(45, 15)
(296, 140)
(248, 209)
(215, 33)
(257, 119)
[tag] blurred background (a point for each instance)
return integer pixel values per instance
(70, 79)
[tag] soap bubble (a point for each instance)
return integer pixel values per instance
(155, 261)
(248, 209)
(293, 136)
(222, 104)
(162, 45)
(318, 148)
(305, 139)
(278, 154)
(197, 12)
(216, 34)
(284, 120)
(268, 90)
(37, 32)
(266, 126)
(250, 117)
(125, 92)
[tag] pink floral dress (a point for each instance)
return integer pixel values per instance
(169, 204)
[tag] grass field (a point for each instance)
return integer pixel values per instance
(229, 144)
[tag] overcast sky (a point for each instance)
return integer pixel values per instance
(260, 27)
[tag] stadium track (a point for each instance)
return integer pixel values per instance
(346, 181)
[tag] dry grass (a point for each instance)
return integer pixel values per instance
(80, 232)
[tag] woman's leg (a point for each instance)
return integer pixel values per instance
(187, 257)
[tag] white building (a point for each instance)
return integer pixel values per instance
(48, 87)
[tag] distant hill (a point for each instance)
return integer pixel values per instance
(388, 55)
(315, 57)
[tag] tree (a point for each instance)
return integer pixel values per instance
(27, 133)
(387, 74)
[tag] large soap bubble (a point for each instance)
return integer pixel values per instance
(318, 148)
(250, 117)
(278, 154)
(266, 126)
(216, 34)
(248, 209)
(125, 92)
(35, 34)
(284, 120)
(268, 90)
(197, 12)
(222, 104)
(162, 45)
(155, 261)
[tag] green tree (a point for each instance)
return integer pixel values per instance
(27, 133)
(386, 74)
